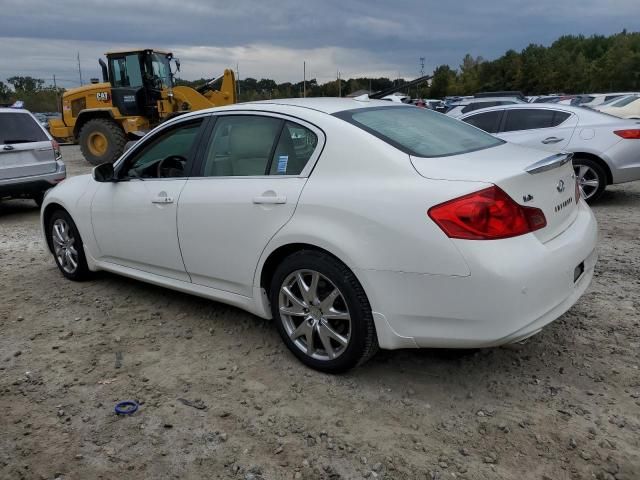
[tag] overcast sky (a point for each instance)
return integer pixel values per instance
(270, 39)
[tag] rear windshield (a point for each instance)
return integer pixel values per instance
(420, 132)
(19, 128)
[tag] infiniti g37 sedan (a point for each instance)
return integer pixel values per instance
(354, 224)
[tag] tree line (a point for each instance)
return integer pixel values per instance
(571, 64)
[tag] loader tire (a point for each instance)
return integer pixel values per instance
(101, 141)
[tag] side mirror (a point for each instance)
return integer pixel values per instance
(104, 173)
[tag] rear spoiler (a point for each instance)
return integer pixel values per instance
(549, 163)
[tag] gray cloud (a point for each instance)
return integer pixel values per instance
(271, 39)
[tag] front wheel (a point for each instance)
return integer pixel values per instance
(67, 247)
(101, 141)
(591, 178)
(322, 312)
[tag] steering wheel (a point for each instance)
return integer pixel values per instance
(175, 162)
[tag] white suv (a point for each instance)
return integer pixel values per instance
(30, 160)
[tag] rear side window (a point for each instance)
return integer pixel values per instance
(530, 119)
(294, 149)
(418, 131)
(241, 146)
(19, 128)
(488, 121)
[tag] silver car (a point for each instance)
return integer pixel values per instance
(606, 149)
(30, 160)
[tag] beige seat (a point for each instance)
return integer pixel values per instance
(250, 145)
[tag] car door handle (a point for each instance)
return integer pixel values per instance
(552, 140)
(162, 200)
(270, 199)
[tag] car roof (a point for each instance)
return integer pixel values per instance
(328, 105)
(13, 110)
(468, 101)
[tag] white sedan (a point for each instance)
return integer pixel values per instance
(352, 223)
(606, 149)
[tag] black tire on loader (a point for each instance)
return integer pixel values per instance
(101, 141)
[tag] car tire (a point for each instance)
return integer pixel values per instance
(67, 247)
(335, 310)
(101, 141)
(591, 177)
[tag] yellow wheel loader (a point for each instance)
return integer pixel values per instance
(136, 94)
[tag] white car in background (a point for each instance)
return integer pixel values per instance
(389, 225)
(626, 107)
(473, 104)
(606, 150)
(594, 100)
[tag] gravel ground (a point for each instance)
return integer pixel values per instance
(221, 397)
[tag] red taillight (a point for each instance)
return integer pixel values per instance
(56, 149)
(630, 133)
(489, 214)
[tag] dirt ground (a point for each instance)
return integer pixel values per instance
(221, 397)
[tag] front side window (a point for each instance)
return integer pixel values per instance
(165, 156)
(420, 132)
(488, 121)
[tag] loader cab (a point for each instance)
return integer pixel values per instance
(137, 80)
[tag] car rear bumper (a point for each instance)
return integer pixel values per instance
(516, 287)
(25, 186)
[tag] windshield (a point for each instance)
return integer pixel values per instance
(159, 68)
(420, 132)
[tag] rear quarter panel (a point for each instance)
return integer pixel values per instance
(365, 203)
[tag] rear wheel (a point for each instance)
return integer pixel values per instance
(591, 178)
(68, 250)
(322, 312)
(101, 141)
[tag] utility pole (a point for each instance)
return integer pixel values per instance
(79, 70)
(55, 87)
(304, 79)
(339, 85)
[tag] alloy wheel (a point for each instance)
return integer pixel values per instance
(588, 180)
(64, 246)
(314, 314)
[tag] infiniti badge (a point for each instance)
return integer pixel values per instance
(560, 186)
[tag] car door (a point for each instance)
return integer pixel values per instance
(134, 218)
(252, 170)
(545, 128)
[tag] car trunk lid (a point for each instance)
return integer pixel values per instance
(25, 149)
(530, 177)
(26, 159)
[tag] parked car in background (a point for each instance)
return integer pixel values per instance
(30, 160)
(606, 150)
(595, 99)
(470, 105)
(42, 120)
(625, 107)
(388, 225)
